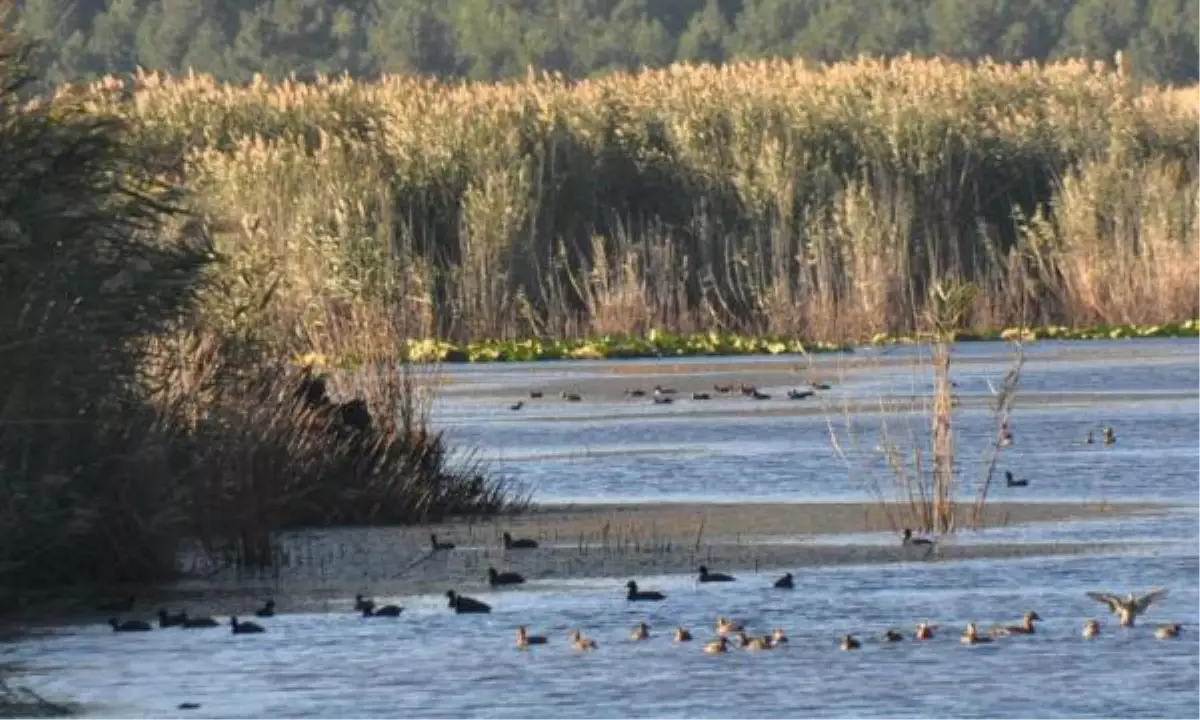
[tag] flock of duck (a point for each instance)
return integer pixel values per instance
(660, 395)
(727, 631)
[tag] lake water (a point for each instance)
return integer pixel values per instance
(431, 663)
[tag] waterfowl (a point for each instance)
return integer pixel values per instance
(166, 620)
(971, 636)
(517, 405)
(535, 394)
(759, 642)
(204, 621)
(642, 595)
(640, 632)
(716, 647)
(524, 639)
(129, 625)
(785, 582)
(778, 637)
(244, 628)
(1091, 629)
(747, 390)
(519, 544)
(435, 545)
(794, 394)
(892, 636)
(908, 539)
(923, 632)
(1167, 631)
(759, 395)
(660, 390)
(701, 396)
(1090, 439)
(820, 386)
(663, 400)
(463, 604)
(579, 642)
(1129, 608)
(503, 578)
(1010, 481)
(727, 625)
(637, 392)
(571, 397)
(849, 642)
(682, 634)
(385, 611)
(267, 610)
(187, 706)
(1025, 628)
(706, 576)
(1110, 436)
(362, 603)
(723, 389)
(118, 606)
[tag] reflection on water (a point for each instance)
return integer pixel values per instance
(431, 663)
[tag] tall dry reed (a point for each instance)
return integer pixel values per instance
(761, 196)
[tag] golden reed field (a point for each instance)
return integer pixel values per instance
(762, 197)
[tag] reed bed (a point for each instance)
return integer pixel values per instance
(768, 197)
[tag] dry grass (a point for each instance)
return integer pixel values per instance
(762, 196)
(927, 489)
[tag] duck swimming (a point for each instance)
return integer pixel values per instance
(760, 642)
(701, 396)
(524, 639)
(463, 604)
(727, 625)
(794, 394)
(571, 397)
(706, 576)
(436, 546)
(385, 611)
(785, 582)
(244, 628)
(778, 637)
(908, 539)
(1129, 608)
(517, 405)
(1110, 436)
(1167, 631)
(924, 632)
(820, 386)
(361, 603)
(1010, 481)
(504, 578)
(849, 642)
(716, 647)
(892, 636)
(682, 634)
(640, 632)
(579, 642)
(520, 544)
(129, 625)
(1091, 629)
(971, 636)
(635, 595)
(267, 610)
(755, 394)
(1025, 628)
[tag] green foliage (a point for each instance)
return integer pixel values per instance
(494, 39)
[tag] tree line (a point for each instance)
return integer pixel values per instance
(496, 39)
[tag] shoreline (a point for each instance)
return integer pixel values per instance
(659, 345)
(325, 566)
